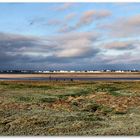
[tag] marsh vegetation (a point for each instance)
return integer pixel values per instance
(69, 108)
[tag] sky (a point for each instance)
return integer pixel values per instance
(69, 36)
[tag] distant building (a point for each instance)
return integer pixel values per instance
(119, 71)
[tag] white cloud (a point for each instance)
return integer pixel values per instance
(62, 7)
(123, 27)
(92, 15)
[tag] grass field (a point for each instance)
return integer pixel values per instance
(69, 108)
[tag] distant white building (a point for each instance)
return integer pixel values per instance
(63, 71)
(97, 71)
(46, 71)
(108, 70)
(119, 71)
(72, 71)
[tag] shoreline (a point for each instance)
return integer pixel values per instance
(74, 75)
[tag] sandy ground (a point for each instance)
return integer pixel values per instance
(75, 75)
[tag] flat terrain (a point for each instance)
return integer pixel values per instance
(69, 108)
(75, 75)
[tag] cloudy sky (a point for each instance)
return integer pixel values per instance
(69, 36)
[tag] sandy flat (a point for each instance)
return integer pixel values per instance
(75, 75)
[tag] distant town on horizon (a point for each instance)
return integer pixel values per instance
(64, 71)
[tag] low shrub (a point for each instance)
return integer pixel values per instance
(24, 99)
(48, 99)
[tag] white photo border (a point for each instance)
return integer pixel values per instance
(70, 137)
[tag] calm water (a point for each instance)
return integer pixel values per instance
(68, 79)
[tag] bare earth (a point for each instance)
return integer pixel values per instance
(75, 75)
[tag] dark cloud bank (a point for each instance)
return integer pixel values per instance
(70, 51)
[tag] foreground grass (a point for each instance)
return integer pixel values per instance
(69, 108)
